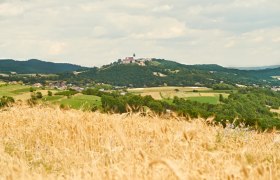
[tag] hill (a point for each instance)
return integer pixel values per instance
(257, 68)
(151, 73)
(49, 143)
(159, 72)
(35, 66)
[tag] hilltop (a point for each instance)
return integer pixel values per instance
(49, 143)
(35, 66)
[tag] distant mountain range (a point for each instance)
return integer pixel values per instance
(257, 68)
(33, 66)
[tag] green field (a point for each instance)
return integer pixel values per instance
(82, 101)
(52, 98)
(205, 99)
(13, 90)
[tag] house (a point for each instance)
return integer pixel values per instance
(123, 93)
(76, 88)
(37, 85)
(4, 75)
(275, 88)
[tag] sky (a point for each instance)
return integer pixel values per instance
(97, 32)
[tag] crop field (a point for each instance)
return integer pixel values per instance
(50, 143)
(204, 95)
(167, 88)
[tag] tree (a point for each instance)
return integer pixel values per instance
(31, 89)
(50, 93)
(39, 95)
(221, 98)
(156, 106)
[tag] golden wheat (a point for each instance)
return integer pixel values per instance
(49, 143)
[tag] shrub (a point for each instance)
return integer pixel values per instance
(39, 95)
(50, 93)
(6, 101)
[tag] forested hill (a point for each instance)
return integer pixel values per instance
(156, 72)
(160, 72)
(35, 66)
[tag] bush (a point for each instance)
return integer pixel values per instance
(50, 93)
(67, 93)
(39, 95)
(31, 89)
(6, 101)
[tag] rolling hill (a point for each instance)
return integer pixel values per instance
(160, 72)
(35, 66)
(156, 72)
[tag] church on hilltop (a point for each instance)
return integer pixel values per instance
(132, 60)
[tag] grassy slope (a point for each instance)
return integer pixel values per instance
(13, 90)
(50, 143)
(82, 101)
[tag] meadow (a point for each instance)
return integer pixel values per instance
(51, 143)
(81, 101)
(13, 90)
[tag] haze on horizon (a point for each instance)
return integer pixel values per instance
(96, 32)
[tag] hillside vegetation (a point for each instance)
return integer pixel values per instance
(154, 73)
(47, 143)
(36, 66)
(160, 72)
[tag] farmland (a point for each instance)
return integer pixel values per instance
(79, 101)
(199, 94)
(13, 90)
(50, 143)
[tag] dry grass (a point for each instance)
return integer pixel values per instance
(276, 110)
(49, 143)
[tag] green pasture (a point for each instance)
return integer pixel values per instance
(13, 90)
(81, 101)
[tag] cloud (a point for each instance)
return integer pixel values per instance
(95, 32)
(162, 8)
(57, 48)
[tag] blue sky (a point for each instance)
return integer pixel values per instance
(97, 32)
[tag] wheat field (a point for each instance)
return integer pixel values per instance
(50, 143)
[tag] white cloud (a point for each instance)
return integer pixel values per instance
(57, 48)
(95, 32)
(162, 8)
(10, 9)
